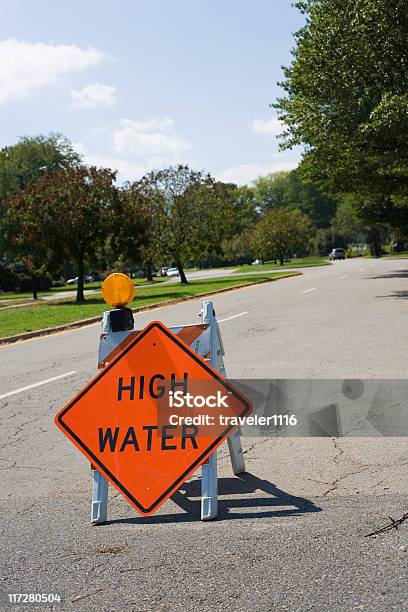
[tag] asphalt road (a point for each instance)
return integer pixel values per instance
(290, 535)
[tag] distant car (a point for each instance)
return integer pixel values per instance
(337, 254)
(398, 246)
(173, 272)
(257, 262)
(74, 281)
(138, 273)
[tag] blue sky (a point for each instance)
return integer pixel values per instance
(140, 85)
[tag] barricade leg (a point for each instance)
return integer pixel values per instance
(209, 485)
(99, 508)
(209, 489)
(236, 454)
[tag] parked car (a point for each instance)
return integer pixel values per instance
(74, 281)
(337, 254)
(173, 272)
(398, 246)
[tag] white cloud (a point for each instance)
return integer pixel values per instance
(148, 137)
(94, 94)
(26, 67)
(148, 125)
(138, 147)
(127, 170)
(272, 127)
(246, 173)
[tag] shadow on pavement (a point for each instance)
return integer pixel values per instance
(277, 503)
(390, 274)
(400, 295)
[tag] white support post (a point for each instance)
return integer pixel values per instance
(236, 454)
(100, 486)
(209, 489)
(209, 484)
(234, 440)
(99, 509)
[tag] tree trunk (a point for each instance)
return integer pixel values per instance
(183, 278)
(376, 249)
(374, 238)
(149, 275)
(80, 287)
(34, 281)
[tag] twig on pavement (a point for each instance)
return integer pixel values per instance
(395, 523)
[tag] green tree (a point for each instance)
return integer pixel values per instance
(348, 223)
(245, 208)
(244, 214)
(347, 101)
(239, 248)
(132, 235)
(325, 240)
(288, 190)
(280, 233)
(190, 214)
(21, 165)
(240, 213)
(271, 191)
(27, 236)
(69, 213)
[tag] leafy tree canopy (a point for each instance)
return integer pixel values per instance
(132, 232)
(68, 213)
(348, 223)
(288, 190)
(22, 163)
(190, 211)
(347, 97)
(280, 233)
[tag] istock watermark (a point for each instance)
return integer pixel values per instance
(290, 408)
(179, 399)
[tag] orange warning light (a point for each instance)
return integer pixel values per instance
(118, 290)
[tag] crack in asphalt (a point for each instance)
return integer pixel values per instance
(90, 594)
(334, 485)
(340, 450)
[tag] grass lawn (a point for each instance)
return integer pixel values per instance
(39, 316)
(10, 295)
(396, 256)
(301, 262)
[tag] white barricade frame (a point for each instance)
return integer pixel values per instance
(208, 345)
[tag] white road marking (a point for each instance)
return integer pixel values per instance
(308, 290)
(342, 277)
(241, 314)
(38, 384)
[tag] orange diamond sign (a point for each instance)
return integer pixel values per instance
(152, 416)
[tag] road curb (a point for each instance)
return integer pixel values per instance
(84, 322)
